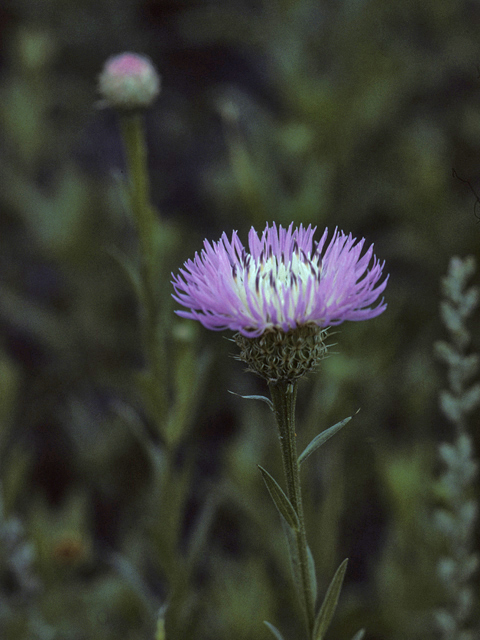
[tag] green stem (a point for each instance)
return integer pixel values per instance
(146, 223)
(170, 482)
(284, 396)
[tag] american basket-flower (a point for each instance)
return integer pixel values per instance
(284, 281)
(285, 285)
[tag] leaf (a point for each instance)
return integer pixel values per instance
(198, 542)
(274, 630)
(281, 501)
(189, 383)
(329, 604)
(471, 398)
(132, 577)
(295, 563)
(262, 398)
(129, 269)
(359, 635)
(322, 438)
(311, 570)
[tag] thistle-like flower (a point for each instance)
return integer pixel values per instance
(281, 295)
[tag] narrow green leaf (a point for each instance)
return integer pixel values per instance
(129, 269)
(198, 542)
(313, 576)
(281, 501)
(295, 563)
(329, 604)
(359, 635)
(322, 438)
(274, 630)
(262, 398)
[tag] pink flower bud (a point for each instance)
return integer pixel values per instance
(128, 81)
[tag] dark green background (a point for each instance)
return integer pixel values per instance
(335, 113)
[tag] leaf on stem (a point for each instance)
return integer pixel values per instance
(329, 604)
(322, 438)
(274, 630)
(283, 504)
(313, 576)
(359, 635)
(198, 542)
(291, 537)
(129, 269)
(262, 398)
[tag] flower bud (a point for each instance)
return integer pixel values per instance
(128, 81)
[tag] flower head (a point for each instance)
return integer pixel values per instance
(129, 81)
(285, 281)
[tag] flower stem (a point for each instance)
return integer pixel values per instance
(284, 396)
(170, 483)
(146, 223)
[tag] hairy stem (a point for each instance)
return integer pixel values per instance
(153, 340)
(284, 395)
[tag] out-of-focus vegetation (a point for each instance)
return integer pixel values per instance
(349, 114)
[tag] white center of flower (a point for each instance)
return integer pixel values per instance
(272, 280)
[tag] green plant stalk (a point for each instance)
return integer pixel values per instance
(146, 223)
(284, 396)
(171, 485)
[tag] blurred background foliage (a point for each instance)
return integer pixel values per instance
(334, 113)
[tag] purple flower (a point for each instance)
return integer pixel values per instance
(285, 281)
